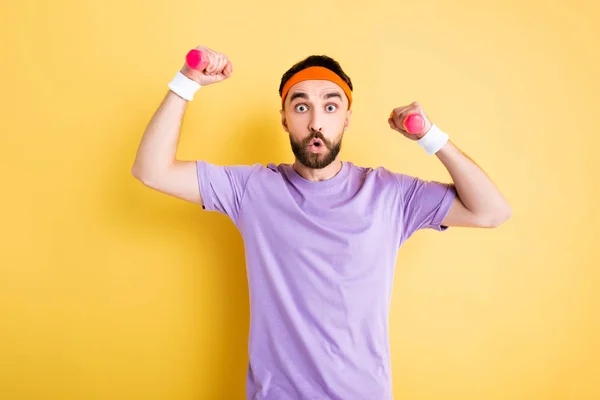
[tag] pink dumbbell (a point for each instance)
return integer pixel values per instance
(195, 59)
(414, 123)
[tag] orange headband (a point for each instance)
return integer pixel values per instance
(313, 73)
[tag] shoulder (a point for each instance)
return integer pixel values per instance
(379, 174)
(269, 172)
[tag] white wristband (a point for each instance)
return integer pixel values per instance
(183, 86)
(433, 140)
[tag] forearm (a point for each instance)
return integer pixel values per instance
(474, 188)
(158, 145)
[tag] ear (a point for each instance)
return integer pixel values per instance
(284, 121)
(347, 123)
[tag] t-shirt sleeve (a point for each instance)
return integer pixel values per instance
(222, 187)
(424, 203)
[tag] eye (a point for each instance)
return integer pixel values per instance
(332, 105)
(298, 107)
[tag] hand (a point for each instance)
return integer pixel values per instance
(218, 69)
(398, 115)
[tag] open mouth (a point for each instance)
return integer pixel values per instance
(316, 146)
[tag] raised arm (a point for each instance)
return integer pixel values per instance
(155, 164)
(478, 203)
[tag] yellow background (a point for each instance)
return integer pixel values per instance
(109, 290)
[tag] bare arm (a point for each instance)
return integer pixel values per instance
(155, 164)
(479, 202)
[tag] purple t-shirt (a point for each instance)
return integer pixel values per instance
(320, 260)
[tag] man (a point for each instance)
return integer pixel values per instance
(321, 235)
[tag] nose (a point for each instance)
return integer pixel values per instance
(315, 124)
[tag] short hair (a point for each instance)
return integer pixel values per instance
(315, 61)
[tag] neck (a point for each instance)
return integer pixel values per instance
(317, 175)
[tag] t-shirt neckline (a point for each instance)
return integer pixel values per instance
(299, 180)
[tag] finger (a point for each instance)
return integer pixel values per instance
(228, 70)
(209, 57)
(395, 112)
(222, 63)
(213, 61)
(218, 65)
(399, 119)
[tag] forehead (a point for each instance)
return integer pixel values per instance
(315, 88)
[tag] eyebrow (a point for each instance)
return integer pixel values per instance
(303, 95)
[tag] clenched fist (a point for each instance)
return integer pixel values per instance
(218, 69)
(398, 116)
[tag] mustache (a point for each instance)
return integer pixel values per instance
(317, 135)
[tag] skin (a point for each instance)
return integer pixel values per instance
(315, 116)
(479, 202)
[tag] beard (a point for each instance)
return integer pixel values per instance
(316, 160)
